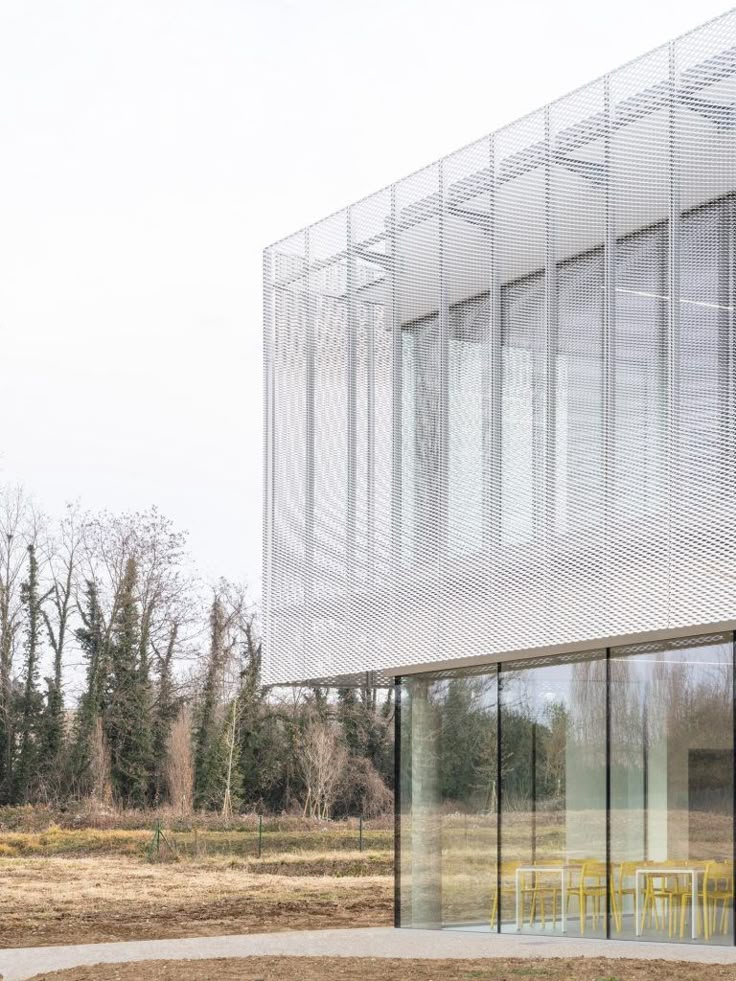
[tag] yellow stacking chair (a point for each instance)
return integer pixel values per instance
(717, 888)
(508, 889)
(591, 893)
(623, 884)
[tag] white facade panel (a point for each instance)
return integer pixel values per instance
(500, 408)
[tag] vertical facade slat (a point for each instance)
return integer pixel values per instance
(442, 497)
(309, 432)
(352, 328)
(493, 373)
(550, 336)
(673, 312)
(394, 328)
(309, 460)
(371, 450)
(727, 341)
(268, 441)
(609, 316)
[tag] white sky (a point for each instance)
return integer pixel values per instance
(149, 149)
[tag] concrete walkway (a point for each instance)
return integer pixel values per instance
(24, 962)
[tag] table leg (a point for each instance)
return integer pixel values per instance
(518, 909)
(636, 904)
(693, 911)
(563, 891)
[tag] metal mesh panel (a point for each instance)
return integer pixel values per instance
(499, 394)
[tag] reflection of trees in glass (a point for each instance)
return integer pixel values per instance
(684, 698)
(671, 748)
(468, 741)
(588, 711)
(554, 750)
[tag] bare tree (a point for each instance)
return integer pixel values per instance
(165, 610)
(179, 763)
(321, 758)
(231, 735)
(62, 555)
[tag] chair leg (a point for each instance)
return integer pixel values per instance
(614, 911)
(643, 914)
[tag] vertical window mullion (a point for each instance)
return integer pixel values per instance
(609, 870)
(498, 800)
(397, 802)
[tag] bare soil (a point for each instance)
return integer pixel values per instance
(380, 969)
(97, 899)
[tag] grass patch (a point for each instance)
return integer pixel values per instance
(275, 845)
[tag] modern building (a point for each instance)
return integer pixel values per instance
(500, 475)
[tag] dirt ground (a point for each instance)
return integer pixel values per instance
(97, 899)
(379, 969)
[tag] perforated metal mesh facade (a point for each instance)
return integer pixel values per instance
(500, 393)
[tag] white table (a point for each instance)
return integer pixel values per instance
(564, 873)
(660, 873)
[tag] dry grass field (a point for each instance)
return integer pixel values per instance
(375, 969)
(61, 883)
(64, 883)
(105, 898)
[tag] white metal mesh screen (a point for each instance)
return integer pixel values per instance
(500, 393)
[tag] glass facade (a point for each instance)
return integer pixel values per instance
(589, 794)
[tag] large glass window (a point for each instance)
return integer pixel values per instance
(672, 790)
(448, 800)
(553, 795)
(588, 794)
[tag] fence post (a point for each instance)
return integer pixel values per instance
(260, 834)
(360, 833)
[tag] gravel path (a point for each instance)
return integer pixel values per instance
(22, 963)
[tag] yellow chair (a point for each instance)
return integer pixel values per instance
(592, 887)
(674, 892)
(534, 890)
(717, 888)
(623, 884)
(545, 886)
(507, 877)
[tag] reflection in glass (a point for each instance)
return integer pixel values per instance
(448, 800)
(553, 797)
(672, 790)
(614, 795)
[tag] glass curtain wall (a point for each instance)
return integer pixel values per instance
(448, 791)
(671, 765)
(553, 795)
(590, 794)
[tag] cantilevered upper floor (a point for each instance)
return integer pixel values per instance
(500, 393)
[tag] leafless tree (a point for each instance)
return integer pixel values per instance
(321, 758)
(231, 735)
(179, 763)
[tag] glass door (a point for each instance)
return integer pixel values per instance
(553, 796)
(672, 791)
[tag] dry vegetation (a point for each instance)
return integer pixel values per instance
(89, 900)
(379, 969)
(65, 884)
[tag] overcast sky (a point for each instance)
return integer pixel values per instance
(149, 149)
